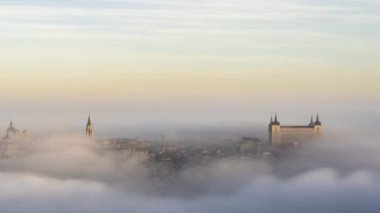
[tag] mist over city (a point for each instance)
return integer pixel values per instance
(65, 172)
(183, 106)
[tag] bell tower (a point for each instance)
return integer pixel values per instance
(89, 128)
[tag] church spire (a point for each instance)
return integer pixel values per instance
(89, 127)
(89, 120)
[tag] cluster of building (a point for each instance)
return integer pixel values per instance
(166, 157)
(180, 154)
(278, 134)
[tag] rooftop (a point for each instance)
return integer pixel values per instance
(306, 127)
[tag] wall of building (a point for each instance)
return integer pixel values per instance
(293, 135)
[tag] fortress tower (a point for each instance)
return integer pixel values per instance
(293, 135)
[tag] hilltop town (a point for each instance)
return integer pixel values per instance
(176, 155)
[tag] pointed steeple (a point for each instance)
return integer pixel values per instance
(311, 121)
(89, 120)
(317, 122)
(89, 127)
(11, 123)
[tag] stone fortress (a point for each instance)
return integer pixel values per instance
(294, 135)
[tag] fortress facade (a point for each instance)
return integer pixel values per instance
(293, 135)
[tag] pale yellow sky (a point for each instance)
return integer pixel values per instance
(254, 86)
(257, 51)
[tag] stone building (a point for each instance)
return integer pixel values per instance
(293, 135)
(14, 134)
(13, 143)
(249, 145)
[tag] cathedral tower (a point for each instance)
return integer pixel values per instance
(89, 128)
(11, 131)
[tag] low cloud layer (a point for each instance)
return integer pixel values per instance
(66, 174)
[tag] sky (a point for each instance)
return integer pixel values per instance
(113, 55)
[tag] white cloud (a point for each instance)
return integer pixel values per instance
(208, 28)
(240, 18)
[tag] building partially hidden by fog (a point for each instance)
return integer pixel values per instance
(293, 135)
(89, 128)
(12, 144)
(13, 133)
